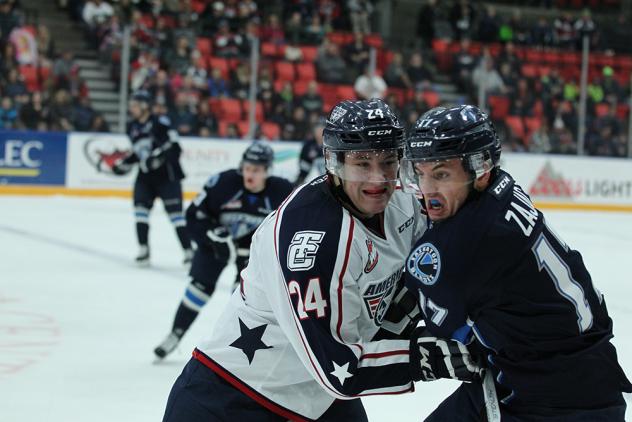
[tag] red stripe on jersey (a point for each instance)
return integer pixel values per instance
(384, 354)
(342, 274)
(247, 390)
(298, 329)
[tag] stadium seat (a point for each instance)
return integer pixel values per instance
(531, 125)
(309, 53)
(259, 117)
(431, 98)
(229, 109)
(499, 105)
(305, 71)
(529, 70)
(374, 40)
(271, 130)
(243, 127)
(204, 46)
(300, 87)
(601, 109)
(31, 77)
(284, 71)
(329, 93)
(345, 92)
(221, 63)
(516, 126)
(269, 49)
(623, 111)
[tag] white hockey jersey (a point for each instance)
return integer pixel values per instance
(297, 334)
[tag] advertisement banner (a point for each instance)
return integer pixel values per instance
(572, 180)
(32, 158)
(201, 157)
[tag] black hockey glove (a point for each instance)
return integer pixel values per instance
(432, 358)
(120, 167)
(154, 161)
(219, 240)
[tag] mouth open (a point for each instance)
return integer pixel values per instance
(374, 191)
(434, 204)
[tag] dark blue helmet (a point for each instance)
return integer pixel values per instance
(259, 153)
(462, 131)
(142, 96)
(362, 125)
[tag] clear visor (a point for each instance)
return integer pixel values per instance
(421, 177)
(373, 166)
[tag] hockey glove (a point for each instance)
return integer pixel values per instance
(432, 358)
(219, 241)
(154, 161)
(120, 167)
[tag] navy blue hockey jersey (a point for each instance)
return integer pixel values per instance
(496, 271)
(225, 201)
(311, 157)
(152, 137)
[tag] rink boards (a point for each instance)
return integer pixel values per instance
(36, 163)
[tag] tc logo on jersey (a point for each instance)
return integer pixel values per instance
(373, 256)
(425, 263)
(302, 251)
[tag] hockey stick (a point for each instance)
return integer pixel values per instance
(491, 400)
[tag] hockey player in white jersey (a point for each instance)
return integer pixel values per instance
(299, 339)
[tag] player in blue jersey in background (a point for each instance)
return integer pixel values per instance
(156, 150)
(227, 212)
(491, 273)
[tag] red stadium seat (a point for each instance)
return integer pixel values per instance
(221, 63)
(431, 98)
(529, 70)
(516, 126)
(269, 49)
(271, 130)
(345, 92)
(284, 70)
(243, 127)
(204, 46)
(229, 109)
(623, 111)
(601, 109)
(245, 105)
(329, 93)
(300, 87)
(499, 105)
(305, 71)
(31, 77)
(531, 125)
(374, 40)
(309, 53)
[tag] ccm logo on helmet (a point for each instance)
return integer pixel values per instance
(380, 132)
(420, 144)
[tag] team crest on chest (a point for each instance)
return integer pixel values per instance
(232, 205)
(376, 292)
(425, 264)
(373, 256)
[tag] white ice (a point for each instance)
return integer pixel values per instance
(78, 321)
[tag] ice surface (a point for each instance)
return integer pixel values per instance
(78, 321)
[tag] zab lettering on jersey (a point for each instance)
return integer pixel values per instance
(425, 264)
(523, 213)
(301, 255)
(376, 292)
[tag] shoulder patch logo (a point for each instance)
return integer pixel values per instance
(301, 255)
(337, 113)
(373, 256)
(425, 264)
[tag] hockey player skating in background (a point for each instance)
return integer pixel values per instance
(492, 273)
(312, 154)
(228, 210)
(297, 339)
(156, 150)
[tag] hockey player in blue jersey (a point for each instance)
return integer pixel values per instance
(156, 150)
(311, 155)
(299, 339)
(491, 273)
(226, 213)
